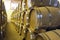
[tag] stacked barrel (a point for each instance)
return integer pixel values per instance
(3, 20)
(39, 20)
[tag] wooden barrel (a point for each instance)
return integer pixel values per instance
(21, 22)
(26, 19)
(42, 17)
(3, 20)
(51, 35)
(18, 22)
(42, 3)
(24, 24)
(31, 36)
(55, 13)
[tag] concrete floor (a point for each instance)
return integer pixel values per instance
(11, 33)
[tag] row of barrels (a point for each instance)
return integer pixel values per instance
(38, 3)
(38, 20)
(3, 20)
(45, 2)
(3, 27)
(50, 35)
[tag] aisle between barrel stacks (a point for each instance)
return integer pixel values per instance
(11, 33)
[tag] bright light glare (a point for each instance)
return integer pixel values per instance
(14, 5)
(8, 6)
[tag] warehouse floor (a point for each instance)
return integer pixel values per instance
(11, 33)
